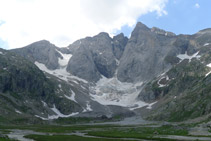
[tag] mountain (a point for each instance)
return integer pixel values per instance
(155, 73)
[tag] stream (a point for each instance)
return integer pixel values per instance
(19, 135)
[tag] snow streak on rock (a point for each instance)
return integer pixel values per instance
(186, 56)
(208, 65)
(60, 73)
(72, 97)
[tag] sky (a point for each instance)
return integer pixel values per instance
(64, 21)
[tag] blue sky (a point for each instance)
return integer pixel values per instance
(184, 17)
(25, 21)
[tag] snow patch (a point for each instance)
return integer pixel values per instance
(186, 56)
(44, 104)
(18, 111)
(59, 114)
(76, 82)
(60, 73)
(72, 97)
(1, 52)
(64, 61)
(162, 85)
(117, 62)
(208, 65)
(150, 105)
(77, 78)
(88, 106)
(41, 117)
(206, 44)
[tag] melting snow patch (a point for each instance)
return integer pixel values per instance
(44, 104)
(150, 105)
(186, 56)
(77, 78)
(64, 61)
(41, 117)
(18, 111)
(206, 44)
(60, 86)
(60, 73)
(117, 62)
(76, 82)
(72, 97)
(208, 65)
(88, 106)
(59, 114)
(162, 85)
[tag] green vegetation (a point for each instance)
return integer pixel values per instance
(140, 132)
(54, 132)
(186, 90)
(64, 138)
(59, 129)
(4, 139)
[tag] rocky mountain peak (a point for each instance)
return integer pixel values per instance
(159, 31)
(207, 30)
(41, 43)
(41, 51)
(140, 27)
(103, 34)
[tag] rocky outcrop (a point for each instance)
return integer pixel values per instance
(118, 46)
(42, 51)
(21, 76)
(97, 56)
(144, 55)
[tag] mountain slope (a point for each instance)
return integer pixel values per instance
(24, 89)
(183, 92)
(154, 73)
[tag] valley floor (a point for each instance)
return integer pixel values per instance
(122, 130)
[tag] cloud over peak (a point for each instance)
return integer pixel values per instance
(64, 21)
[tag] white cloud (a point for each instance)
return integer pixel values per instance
(197, 5)
(64, 21)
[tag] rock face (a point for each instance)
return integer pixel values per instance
(41, 51)
(119, 43)
(21, 76)
(144, 55)
(97, 56)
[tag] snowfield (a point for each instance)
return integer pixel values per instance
(186, 56)
(107, 91)
(60, 73)
(110, 91)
